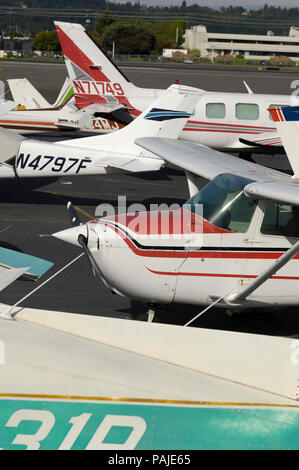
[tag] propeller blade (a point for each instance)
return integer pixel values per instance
(95, 267)
(74, 218)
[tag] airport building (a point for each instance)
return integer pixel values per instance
(255, 47)
(17, 46)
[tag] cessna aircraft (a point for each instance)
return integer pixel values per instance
(248, 230)
(233, 122)
(21, 157)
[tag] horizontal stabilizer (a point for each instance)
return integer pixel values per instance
(16, 260)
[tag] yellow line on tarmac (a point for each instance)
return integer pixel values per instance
(82, 211)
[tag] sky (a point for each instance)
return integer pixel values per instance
(250, 4)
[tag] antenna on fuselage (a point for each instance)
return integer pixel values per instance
(248, 88)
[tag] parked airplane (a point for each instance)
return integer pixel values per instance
(28, 97)
(34, 114)
(227, 255)
(219, 121)
(100, 154)
(59, 116)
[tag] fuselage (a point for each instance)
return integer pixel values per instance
(63, 118)
(219, 119)
(184, 257)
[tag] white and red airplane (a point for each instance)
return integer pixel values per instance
(220, 119)
(241, 251)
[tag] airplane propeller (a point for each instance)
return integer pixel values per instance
(83, 242)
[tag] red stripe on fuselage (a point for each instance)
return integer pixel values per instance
(169, 253)
(243, 276)
(237, 126)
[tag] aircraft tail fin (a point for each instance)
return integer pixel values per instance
(286, 119)
(26, 95)
(164, 118)
(96, 79)
(65, 94)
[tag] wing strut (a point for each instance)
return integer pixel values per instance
(239, 297)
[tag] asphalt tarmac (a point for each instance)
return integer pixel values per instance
(31, 210)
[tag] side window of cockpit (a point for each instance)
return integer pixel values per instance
(247, 111)
(215, 110)
(281, 219)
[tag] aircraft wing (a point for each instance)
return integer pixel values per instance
(208, 163)
(12, 266)
(205, 162)
(282, 192)
(35, 267)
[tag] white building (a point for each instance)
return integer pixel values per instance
(168, 53)
(257, 47)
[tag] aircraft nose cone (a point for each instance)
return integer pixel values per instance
(71, 235)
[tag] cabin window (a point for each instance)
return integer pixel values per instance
(281, 219)
(215, 110)
(224, 204)
(274, 106)
(247, 111)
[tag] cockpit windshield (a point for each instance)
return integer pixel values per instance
(224, 204)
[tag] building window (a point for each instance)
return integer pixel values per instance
(215, 110)
(247, 111)
(281, 219)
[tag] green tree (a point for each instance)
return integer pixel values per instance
(130, 37)
(169, 34)
(104, 22)
(46, 41)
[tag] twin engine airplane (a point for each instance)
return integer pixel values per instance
(232, 122)
(234, 244)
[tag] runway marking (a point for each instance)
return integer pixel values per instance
(5, 228)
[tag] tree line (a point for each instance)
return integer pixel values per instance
(127, 36)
